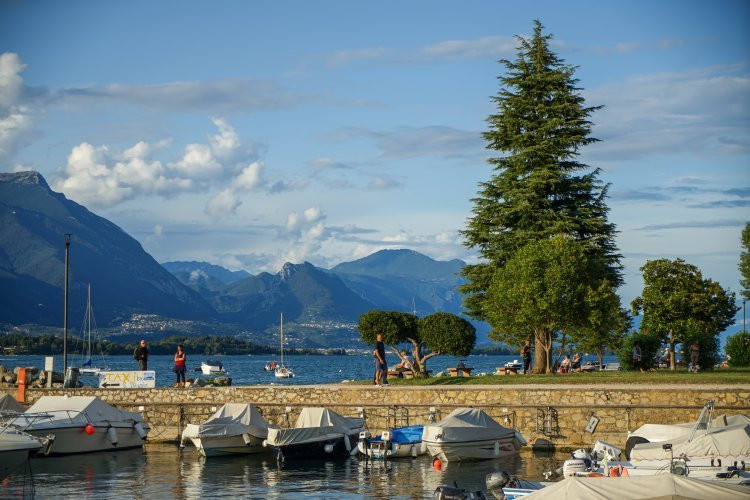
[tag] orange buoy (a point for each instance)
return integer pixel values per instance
(437, 464)
(89, 429)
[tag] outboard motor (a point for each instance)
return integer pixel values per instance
(387, 437)
(584, 455)
(495, 482)
(572, 466)
(456, 493)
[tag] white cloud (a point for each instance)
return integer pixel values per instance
(15, 118)
(158, 231)
(313, 214)
(101, 177)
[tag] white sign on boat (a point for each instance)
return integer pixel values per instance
(127, 379)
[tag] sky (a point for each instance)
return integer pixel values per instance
(249, 134)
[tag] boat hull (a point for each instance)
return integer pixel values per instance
(15, 450)
(341, 446)
(473, 450)
(70, 440)
(395, 450)
(217, 446)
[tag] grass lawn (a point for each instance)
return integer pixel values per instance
(722, 376)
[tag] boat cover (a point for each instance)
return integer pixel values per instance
(8, 404)
(660, 486)
(466, 424)
(232, 419)
(57, 411)
(405, 435)
(315, 424)
(665, 432)
(719, 442)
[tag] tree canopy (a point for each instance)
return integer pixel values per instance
(676, 301)
(541, 291)
(539, 188)
(745, 262)
(439, 333)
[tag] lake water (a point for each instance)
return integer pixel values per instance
(164, 471)
(248, 370)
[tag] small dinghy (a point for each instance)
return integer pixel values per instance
(82, 424)
(397, 443)
(16, 447)
(271, 366)
(470, 434)
(318, 433)
(234, 429)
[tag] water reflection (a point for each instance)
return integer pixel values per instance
(164, 471)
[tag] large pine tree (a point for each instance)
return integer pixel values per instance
(539, 188)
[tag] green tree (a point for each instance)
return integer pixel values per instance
(708, 343)
(540, 293)
(446, 333)
(539, 188)
(738, 349)
(677, 300)
(607, 322)
(438, 333)
(649, 344)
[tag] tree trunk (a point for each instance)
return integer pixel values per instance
(672, 364)
(600, 354)
(540, 356)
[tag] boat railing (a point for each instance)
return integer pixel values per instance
(704, 419)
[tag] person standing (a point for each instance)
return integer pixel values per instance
(636, 356)
(179, 366)
(526, 355)
(694, 352)
(141, 355)
(381, 367)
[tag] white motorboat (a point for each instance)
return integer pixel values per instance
(319, 432)
(470, 434)
(282, 371)
(16, 447)
(659, 433)
(212, 367)
(270, 366)
(82, 424)
(663, 486)
(514, 365)
(396, 443)
(234, 429)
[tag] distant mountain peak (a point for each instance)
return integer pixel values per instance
(27, 178)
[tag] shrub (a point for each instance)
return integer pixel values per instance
(738, 349)
(649, 350)
(708, 356)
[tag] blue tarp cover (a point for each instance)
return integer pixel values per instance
(405, 435)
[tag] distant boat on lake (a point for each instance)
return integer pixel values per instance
(282, 371)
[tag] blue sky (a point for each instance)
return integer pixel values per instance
(248, 134)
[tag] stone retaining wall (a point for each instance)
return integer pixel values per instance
(554, 415)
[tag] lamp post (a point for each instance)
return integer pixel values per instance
(65, 306)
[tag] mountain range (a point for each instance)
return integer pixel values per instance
(125, 280)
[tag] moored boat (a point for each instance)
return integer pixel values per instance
(82, 424)
(16, 447)
(397, 443)
(318, 432)
(212, 367)
(470, 434)
(234, 429)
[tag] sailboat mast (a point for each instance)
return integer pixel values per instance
(282, 339)
(88, 320)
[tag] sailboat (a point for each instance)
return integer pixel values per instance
(86, 367)
(282, 371)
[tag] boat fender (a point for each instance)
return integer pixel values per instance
(247, 438)
(497, 448)
(347, 443)
(112, 434)
(413, 451)
(89, 429)
(328, 448)
(265, 443)
(141, 430)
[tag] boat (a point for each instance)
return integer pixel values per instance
(235, 429)
(514, 365)
(82, 424)
(658, 433)
(318, 433)
(282, 371)
(16, 447)
(9, 406)
(212, 367)
(470, 434)
(87, 368)
(271, 366)
(396, 443)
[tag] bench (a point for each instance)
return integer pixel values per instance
(464, 371)
(401, 373)
(502, 370)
